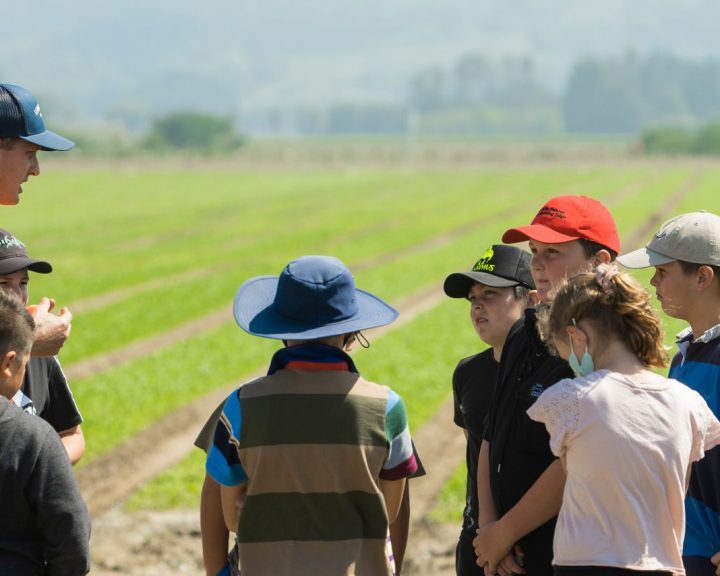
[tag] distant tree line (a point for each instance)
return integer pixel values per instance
(475, 79)
(349, 118)
(679, 141)
(613, 95)
(476, 95)
(630, 94)
(184, 132)
(193, 131)
(479, 95)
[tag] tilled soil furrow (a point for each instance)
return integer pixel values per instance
(109, 298)
(641, 235)
(96, 364)
(146, 346)
(139, 348)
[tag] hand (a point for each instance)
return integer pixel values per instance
(492, 548)
(51, 330)
(716, 561)
(512, 563)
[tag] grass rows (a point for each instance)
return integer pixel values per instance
(404, 230)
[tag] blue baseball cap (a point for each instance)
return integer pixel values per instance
(314, 297)
(20, 117)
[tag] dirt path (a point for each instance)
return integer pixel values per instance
(108, 298)
(161, 543)
(641, 235)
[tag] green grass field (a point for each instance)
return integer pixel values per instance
(169, 246)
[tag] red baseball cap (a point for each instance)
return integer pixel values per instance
(568, 218)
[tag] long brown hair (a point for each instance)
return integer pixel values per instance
(616, 304)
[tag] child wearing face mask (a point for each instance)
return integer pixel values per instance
(625, 435)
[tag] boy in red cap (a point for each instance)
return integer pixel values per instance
(520, 482)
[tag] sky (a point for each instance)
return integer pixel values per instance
(91, 60)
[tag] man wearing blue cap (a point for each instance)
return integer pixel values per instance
(22, 134)
(312, 458)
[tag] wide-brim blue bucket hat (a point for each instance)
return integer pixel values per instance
(314, 297)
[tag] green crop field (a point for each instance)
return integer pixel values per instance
(140, 252)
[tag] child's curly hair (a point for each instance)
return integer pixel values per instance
(616, 304)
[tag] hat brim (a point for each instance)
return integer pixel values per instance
(11, 265)
(255, 313)
(643, 258)
(48, 140)
(458, 284)
(536, 232)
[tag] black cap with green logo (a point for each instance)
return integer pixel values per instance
(500, 266)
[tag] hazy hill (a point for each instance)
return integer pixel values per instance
(138, 59)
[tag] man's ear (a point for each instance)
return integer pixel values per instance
(7, 363)
(705, 275)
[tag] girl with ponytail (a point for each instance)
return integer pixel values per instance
(626, 436)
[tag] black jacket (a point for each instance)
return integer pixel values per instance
(44, 524)
(520, 447)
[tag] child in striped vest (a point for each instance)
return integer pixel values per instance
(312, 459)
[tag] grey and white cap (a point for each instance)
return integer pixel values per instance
(692, 237)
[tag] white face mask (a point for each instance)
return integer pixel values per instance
(583, 367)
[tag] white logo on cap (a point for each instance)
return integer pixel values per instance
(10, 241)
(37, 110)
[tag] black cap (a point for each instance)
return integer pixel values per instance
(13, 256)
(500, 266)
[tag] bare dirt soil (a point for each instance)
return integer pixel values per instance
(139, 348)
(160, 543)
(144, 543)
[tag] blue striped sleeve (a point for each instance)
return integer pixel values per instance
(223, 463)
(401, 461)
